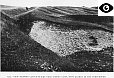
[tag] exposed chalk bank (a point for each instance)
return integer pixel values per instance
(65, 41)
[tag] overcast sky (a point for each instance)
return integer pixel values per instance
(29, 3)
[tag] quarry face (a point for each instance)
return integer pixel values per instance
(67, 41)
(64, 39)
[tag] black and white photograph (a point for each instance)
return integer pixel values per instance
(55, 39)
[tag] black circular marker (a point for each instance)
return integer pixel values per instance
(106, 7)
